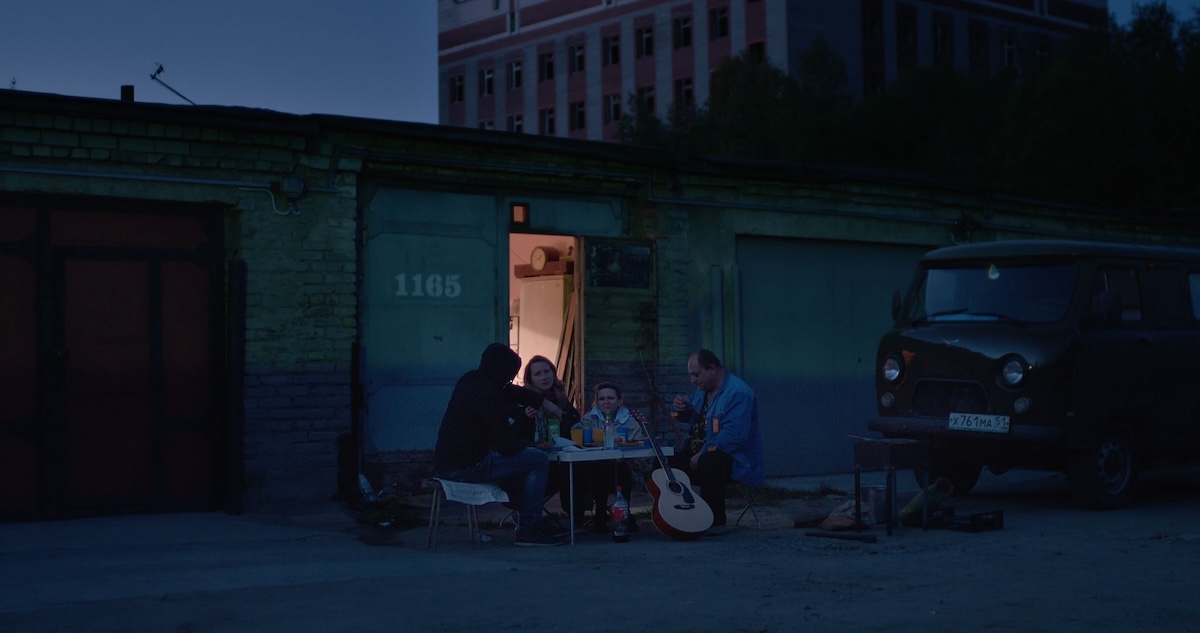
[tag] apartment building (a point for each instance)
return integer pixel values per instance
(568, 68)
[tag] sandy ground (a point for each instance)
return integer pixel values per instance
(1051, 568)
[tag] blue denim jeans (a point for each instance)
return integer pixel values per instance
(523, 476)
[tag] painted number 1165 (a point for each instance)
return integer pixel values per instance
(433, 285)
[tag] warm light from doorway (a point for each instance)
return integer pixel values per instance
(520, 214)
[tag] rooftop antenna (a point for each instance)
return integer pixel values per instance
(158, 71)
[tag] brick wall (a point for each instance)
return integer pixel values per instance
(300, 260)
(302, 265)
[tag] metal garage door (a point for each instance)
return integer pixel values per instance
(435, 293)
(811, 316)
(434, 272)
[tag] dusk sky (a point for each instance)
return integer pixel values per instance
(365, 58)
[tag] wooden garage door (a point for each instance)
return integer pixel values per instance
(18, 365)
(117, 361)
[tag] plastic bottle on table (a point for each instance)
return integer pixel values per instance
(540, 431)
(620, 517)
(610, 432)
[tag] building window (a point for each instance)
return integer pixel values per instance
(874, 83)
(681, 33)
(487, 125)
(906, 36)
(612, 50)
(516, 123)
(487, 84)
(578, 116)
(907, 32)
(943, 38)
(645, 42)
(514, 75)
(977, 46)
(718, 23)
(756, 52)
(1194, 288)
(1043, 50)
(1010, 52)
(512, 21)
(575, 59)
(645, 99)
(546, 67)
(456, 89)
(684, 93)
(612, 108)
(872, 24)
(546, 121)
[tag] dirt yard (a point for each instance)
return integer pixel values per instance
(1051, 568)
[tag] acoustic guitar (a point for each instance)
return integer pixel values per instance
(678, 512)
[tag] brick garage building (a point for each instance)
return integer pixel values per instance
(224, 308)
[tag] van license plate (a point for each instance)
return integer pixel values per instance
(979, 422)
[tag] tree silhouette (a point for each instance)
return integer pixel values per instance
(1113, 121)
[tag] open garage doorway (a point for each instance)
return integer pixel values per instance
(544, 303)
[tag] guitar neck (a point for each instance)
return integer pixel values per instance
(662, 460)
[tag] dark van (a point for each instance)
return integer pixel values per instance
(1059, 355)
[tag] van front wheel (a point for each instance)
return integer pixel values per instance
(1104, 475)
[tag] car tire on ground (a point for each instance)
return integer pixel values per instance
(1104, 474)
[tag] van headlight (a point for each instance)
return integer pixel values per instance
(1012, 372)
(893, 369)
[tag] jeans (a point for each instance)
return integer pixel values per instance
(522, 475)
(714, 471)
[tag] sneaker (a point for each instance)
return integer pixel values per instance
(553, 529)
(537, 538)
(717, 530)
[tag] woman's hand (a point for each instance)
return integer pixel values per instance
(553, 410)
(531, 412)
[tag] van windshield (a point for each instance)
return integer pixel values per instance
(991, 291)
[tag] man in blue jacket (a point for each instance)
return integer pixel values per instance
(485, 436)
(724, 444)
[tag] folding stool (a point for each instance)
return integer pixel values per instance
(748, 497)
(471, 495)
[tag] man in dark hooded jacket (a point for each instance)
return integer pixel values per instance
(484, 438)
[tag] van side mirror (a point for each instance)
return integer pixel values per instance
(895, 305)
(1106, 307)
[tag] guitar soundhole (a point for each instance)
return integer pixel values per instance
(675, 487)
